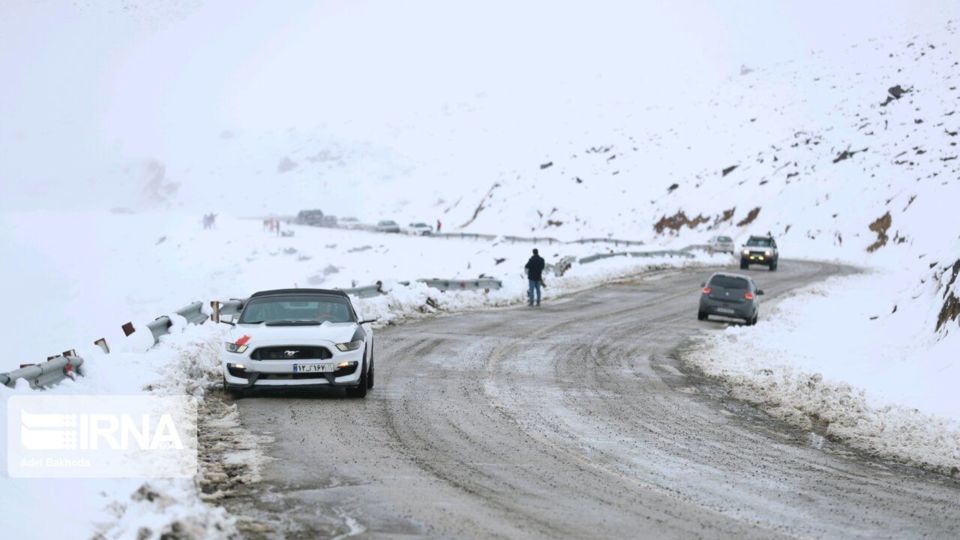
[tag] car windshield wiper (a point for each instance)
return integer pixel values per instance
(294, 323)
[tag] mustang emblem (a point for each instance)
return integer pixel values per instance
(290, 354)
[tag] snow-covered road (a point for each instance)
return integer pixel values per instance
(573, 420)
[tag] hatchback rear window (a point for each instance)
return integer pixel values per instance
(728, 282)
(724, 239)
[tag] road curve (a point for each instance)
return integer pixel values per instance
(571, 420)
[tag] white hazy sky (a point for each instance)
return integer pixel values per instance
(86, 89)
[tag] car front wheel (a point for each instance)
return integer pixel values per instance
(370, 373)
(744, 264)
(360, 390)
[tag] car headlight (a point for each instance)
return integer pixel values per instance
(235, 348)
(746, 252)
(350, 345)
(767, 252)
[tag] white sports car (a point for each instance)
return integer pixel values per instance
(299, 339)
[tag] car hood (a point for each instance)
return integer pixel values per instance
(303, 335)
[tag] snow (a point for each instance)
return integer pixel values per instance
(102, 188)
(147, 277)
(122, 507)
(826, 360)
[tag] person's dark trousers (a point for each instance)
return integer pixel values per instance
(534, 289)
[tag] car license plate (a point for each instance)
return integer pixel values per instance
(726, 311)
(312, 368)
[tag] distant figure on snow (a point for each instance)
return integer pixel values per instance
(439, 225)
(534, 268)
(209, 221)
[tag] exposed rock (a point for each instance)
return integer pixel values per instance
(480, 206)
(847, 154)
(677, 221)
(751, 216)
(727, 215)
(951, 304)
(286, 165)
(897, 91)
(729, 170)
(880, 226)
(894, 93)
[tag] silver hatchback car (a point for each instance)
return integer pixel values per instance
(730, 295)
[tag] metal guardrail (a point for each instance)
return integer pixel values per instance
(468, 236)
(540, 239)
(193, 313)
(532, 239)
(661, 253)
(370, 291)
(614, 241)
(480, 284)
(560, 267)
(46, 374)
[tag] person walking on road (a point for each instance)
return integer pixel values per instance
(534, 269)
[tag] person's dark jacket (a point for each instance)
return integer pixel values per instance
(535, 268)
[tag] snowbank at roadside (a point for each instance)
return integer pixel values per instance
(184, 363)
(844, 359)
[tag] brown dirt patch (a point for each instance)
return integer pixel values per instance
(678, 221)
(880, 226)
(751, 216)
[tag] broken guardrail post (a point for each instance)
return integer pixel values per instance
(102, 343)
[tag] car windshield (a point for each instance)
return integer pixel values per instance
(386, 223)
(760, 242)
(724, 239)
(296, 310)
(730, 282)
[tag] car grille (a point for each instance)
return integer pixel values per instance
(244, 374)
(295, 352)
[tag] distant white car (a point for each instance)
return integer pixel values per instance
(351, 223)
(299, 339)
(388, 226)
(721, 244)
(420, 229)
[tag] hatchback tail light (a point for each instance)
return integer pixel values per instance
(707, 290)
(748, 295)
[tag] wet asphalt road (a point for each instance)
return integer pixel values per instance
(571, 420)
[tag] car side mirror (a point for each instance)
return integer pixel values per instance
(759, 292)
(368, 321)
